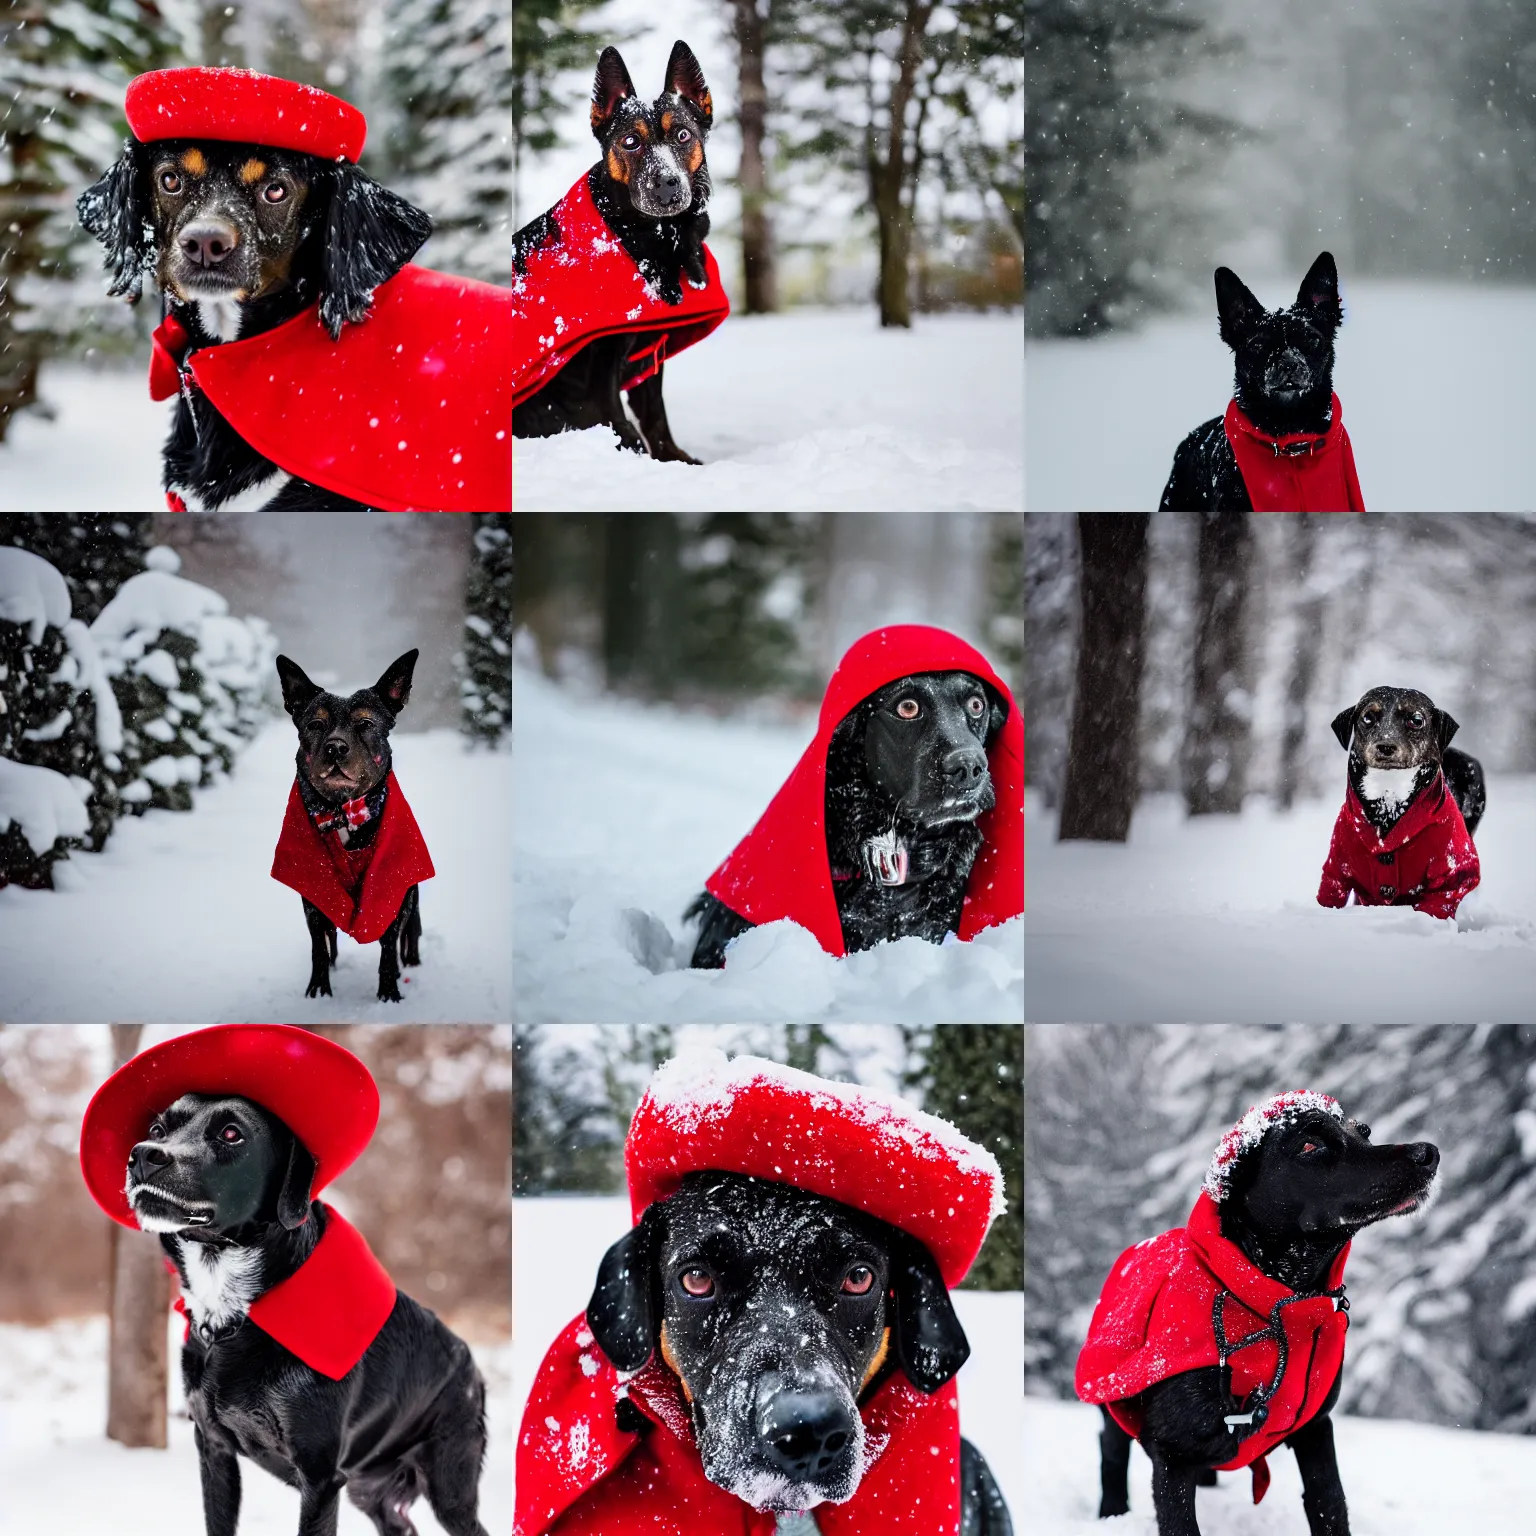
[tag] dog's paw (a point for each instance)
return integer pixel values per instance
(389, 992)
(319, 986)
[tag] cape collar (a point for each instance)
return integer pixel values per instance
(1238, 1273)
(1290, 445)
(1296, 471)
(1425, 808)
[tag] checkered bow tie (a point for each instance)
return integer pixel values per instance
(352, 814)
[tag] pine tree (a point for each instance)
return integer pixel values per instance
(485, 685)
(564, 1133)
(1005, 598)
(95, 552)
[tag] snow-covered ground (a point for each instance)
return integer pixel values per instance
(1401, 1479)
(809, 410)
(1432, 379)
(617, 828)
(59, 1472)
(546, 1296)
(100, 453)
(1216, 918)
(178, 918)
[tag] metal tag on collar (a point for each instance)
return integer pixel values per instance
(1232, 1420)
(887, 858)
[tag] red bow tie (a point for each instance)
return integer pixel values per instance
(355, 813)
(168, 346)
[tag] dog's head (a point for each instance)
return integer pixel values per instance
(1284, 357)
(1395, 738)
(776, 1309)
(653, 152)
(215, 1164)
(222, 226)
(344, 741)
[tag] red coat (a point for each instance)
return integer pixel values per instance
(359, 891)
(585, 285)
(410, 410)
(1297, 471)
(579, 1474)
(1426, 861)
(781, 868)
(1155, 1319)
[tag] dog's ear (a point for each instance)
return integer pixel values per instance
(1318, 296)
(370, 233)
(394, 687)
(930, 1343)
(686, 79)
(1344, 725)
(298, 1178)
(298, 691)
(1445, 728)
(116, 210)
(1239, 311)
(610, 86)
(622, 1313)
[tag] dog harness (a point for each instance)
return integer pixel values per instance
(1427, 860)
(359, 889)
(581, 284)
(1296, 471)
(781, 867)
(1190, 1299)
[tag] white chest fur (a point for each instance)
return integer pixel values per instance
(221, 1283)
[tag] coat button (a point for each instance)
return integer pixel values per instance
(1387, 892)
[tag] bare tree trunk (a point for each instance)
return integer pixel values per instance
(888, 179)
(1216, 740)
(758, 263)
(642, 598)
(1304, 658)
(1102, 750)
(21, 256)
(141, 1300)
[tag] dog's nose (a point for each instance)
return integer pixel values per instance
(209, 243)
(145, 1158)
(335, 749)
(964, 768)
(805, 1432)
(1425, 1153)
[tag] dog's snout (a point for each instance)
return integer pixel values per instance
(335, 749)
(1425, 1153)
(806, 1433)
(965, 768)
(208, 243)
(145, 1158)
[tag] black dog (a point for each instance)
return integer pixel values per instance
(907, 778)
(651, 187)
(344, 755)
(240, 238)
(1284, 383)
(1396, 732)
(1311, 1185)
(850, 1298)
(227, 1186)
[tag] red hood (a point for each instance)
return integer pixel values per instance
(1154, 1319)
(411, 410)
(579, 1474)
(360, 893)
(1297, 471)
(583, 284)
(780, 868)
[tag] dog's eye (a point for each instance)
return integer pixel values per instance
(683, 136)
(274, 192)
(908, 709)
(1416, 721)
(696, 1283)
(1310, 1146)
(858, 1280)
(231, 1135)
(157, 1132)
(976, 705)
(630, 141)
(170, 182)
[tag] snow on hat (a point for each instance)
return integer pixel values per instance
(856, 1145)
(243, 107)
(1255, 1125)
(319, 1090)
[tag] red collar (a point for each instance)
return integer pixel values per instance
(1426, 808)
(1235, 1270)
(1296, 471)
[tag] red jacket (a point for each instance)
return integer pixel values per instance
(1426, 861)
(360, 891)
(579, 1474)
(410, 410)
(1156, 1318)
(1297, 471)
(781, 868)
(583, 284)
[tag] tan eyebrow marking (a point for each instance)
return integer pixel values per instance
(192, 160)
(253, 170)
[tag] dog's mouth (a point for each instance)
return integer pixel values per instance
(159, 1211)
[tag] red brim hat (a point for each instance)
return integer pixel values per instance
(243, 107)
(851, 1144)
(322, 1093)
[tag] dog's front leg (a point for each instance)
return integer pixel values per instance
(1173, 1495)
(220, 1471)
(410, 934)
(319, 1502)
(651, 412)
(613, 400)
(1114, 1469)
(389, 957)
(1322, 1492)
(322, 950)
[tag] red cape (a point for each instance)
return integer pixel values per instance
(331, 1308)
(1426, 861)
(315, 865)
(411, 410)
(780, 868)
(579, 1474)
(1154, 1319)
(584, 285)
(1297, 471)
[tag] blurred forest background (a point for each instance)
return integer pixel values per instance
(1121, 1123)
(1167, 136)
(868, 149)
(1207, 654)
(576, 1088)
(432, 77)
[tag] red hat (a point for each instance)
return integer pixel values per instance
(243, 107)
(322, 1093)
(856, 1145)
